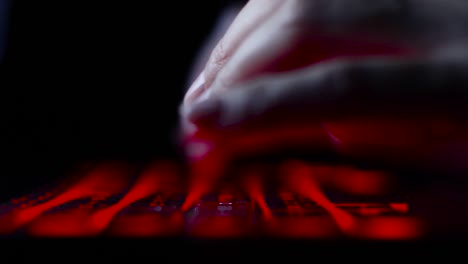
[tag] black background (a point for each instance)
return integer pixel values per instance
(88, 80)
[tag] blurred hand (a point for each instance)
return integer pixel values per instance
(381, 76)
(277, 35)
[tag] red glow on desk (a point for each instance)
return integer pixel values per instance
(204, 176)
(80, 222)
(361, 182)
(301, 179)
(391, 228)
(158, 176)
(147, 225)
(256, 193)
(104, 180)
(222, 227)
(302, 228)
(69, 223)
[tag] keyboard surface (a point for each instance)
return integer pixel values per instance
(119, 199)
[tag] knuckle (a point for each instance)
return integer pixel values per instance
(219, 55)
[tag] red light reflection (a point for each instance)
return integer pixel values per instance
(106, 179)
(147, 225)
(204, 175)
(68, 223)
(352, 180)
(407, 138)
(300, 177)
(158, 176)
(254, 189)
(362, 221)
(222, 227)
(391, 228)
(400, 207)
(80, 222)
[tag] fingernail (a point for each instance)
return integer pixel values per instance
(197, 87)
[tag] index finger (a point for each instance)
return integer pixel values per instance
(251, 16)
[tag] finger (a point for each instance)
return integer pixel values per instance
(261, 47)
(380, 109)
(297, 35)
(304, 32)
(250, 17)
(287, 40)
(223, 22)
(343, 88)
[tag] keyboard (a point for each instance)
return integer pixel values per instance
(119, 199)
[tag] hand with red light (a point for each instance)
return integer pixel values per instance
(270, 36)
(381, 77)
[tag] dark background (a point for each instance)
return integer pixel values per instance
(90, 80)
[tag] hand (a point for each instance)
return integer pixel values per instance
(270, 36)
(405, 61)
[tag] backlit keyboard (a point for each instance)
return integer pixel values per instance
(121, 199)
